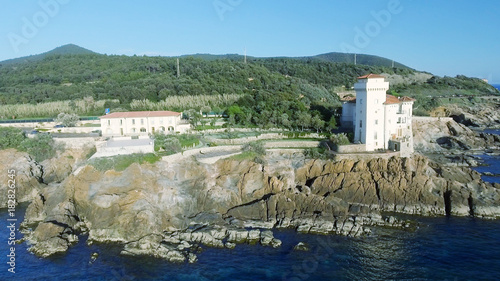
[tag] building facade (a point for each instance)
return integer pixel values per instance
(137, 123)
(379, 121)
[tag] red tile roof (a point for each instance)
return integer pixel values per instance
(368, 76)
(138, 114)
(390, 99)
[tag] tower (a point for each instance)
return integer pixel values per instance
(369, 122)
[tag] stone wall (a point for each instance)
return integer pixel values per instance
(351, 148)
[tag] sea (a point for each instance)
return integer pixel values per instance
(440, 248)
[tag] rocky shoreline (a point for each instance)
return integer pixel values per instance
(171, 210)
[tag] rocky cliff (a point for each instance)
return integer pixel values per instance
(31, 176)
(169, 210)
(442, 134)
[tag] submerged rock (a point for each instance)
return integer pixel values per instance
(301, 246)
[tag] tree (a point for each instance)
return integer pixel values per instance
(213, 121)
(67, 120)
(167, 143)
(255, 146)
(285, 122)
(317, 123)
(203, 122)
(332, 124)
(206, 110)
(172, 145)
(303, 119)
(194, 117)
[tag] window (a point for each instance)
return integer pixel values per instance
(375, 135)
(143, 130)
(142, 121)
(376, 121)
(361, 123)
(121, 122)
(109, 122)
(360, 101)
(133, 130)
(133, 121)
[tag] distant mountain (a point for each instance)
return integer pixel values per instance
(69, 49)
(360, 59)
(328, 57)
(211, 57)
(334, 57)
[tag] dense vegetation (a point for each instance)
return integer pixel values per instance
(439, 91)
(40, 147)
(296, 93)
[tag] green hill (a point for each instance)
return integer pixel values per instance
(263, 90)
(328, 57)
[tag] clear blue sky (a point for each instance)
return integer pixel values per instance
(442, 37)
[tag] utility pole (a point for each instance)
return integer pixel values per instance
(245, 55)
(178, 69)
(355, 59)
(392, 63)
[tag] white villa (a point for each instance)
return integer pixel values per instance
(380, 121)
(137, 123)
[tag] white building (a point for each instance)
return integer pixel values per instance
(137, 123)
(380, 121)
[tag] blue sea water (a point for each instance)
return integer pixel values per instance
(496, 86)
(439, 249)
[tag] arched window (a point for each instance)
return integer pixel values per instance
(143, 130)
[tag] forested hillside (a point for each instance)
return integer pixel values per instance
(263, 91)
(63, 77)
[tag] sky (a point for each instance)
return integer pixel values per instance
(447, 37)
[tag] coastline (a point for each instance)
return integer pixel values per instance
(171, 209)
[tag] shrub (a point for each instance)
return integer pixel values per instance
(67, 120)
(315, 153)
(339, 139)
(255, 146)
(168, 143)
(41, 147)
(11, 137)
